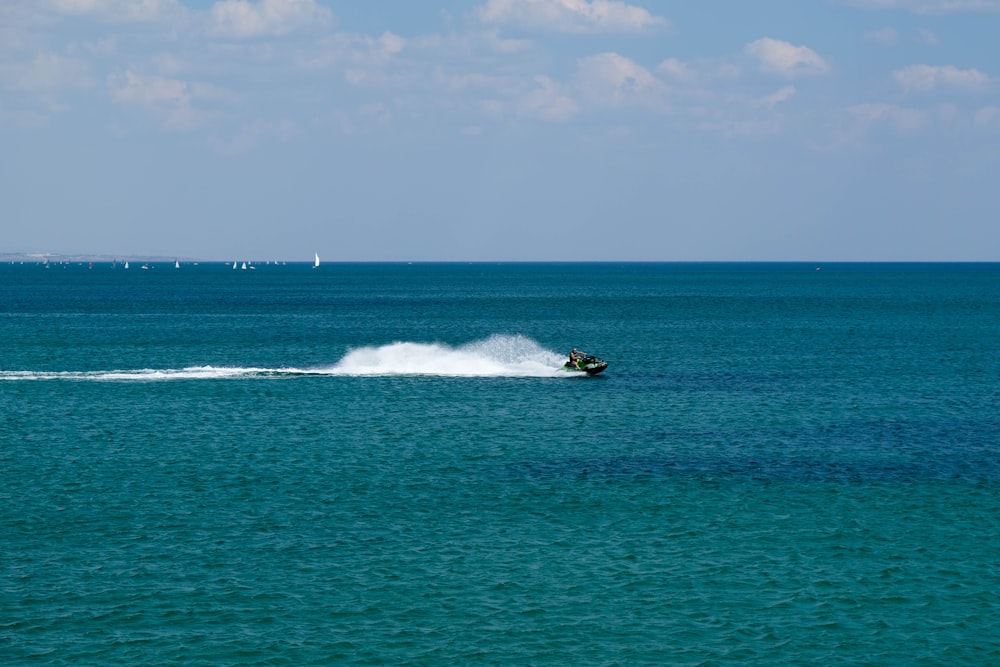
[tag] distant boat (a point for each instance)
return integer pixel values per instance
(234, 266)
(177, 264)
(126, 263)
(244, 266)
(316, 262)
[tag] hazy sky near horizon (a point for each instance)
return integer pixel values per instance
(503, 130)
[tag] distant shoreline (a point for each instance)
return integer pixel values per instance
(42, 257)
(58, 258)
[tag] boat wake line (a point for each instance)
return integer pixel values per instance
(496, 356)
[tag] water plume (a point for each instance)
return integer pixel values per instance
(496, 356)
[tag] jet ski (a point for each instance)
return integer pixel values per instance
(585, 363)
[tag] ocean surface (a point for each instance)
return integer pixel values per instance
(382, 463)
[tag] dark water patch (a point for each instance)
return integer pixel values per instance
(880, 452)
(750, 468)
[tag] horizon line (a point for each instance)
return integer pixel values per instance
(42, 257)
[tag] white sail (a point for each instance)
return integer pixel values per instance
(316, 261)
(126, 263)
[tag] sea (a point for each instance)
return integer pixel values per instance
(363, 464)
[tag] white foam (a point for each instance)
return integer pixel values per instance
(496, 356)
(139, 375)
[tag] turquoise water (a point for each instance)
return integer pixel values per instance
(365, 464)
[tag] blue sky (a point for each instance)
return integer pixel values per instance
(482, 130)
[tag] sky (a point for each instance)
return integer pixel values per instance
(502, 130)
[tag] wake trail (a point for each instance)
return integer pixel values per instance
(496, 356)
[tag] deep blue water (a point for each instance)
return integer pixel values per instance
(372, 463)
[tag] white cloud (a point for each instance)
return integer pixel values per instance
(504, 45)
(747, 129)
(678, 71)
(48, 72)
(455, 82)
(786, 59)
(20, 119)
(104, 47)
(700, 72)
(170, 100)
(606, 80)
(775, 98)
(578, 16)
(988, 116)
(360, 51)
(243, 19)
(367, 59)
(548, 101)
(610, 79)
(137, 89)
(388, 45)
(468, 45)
(947, 112)
(900, 118)
(863, 119)
(890, 37)
(543, 99)
(253, 134)
(930, 6)
(377, 112)
(926, 78)
(928, 38)
(120, 10)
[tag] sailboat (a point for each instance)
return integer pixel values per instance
(177, 264)
(126, 263)
(316, 261)
(234, 265)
